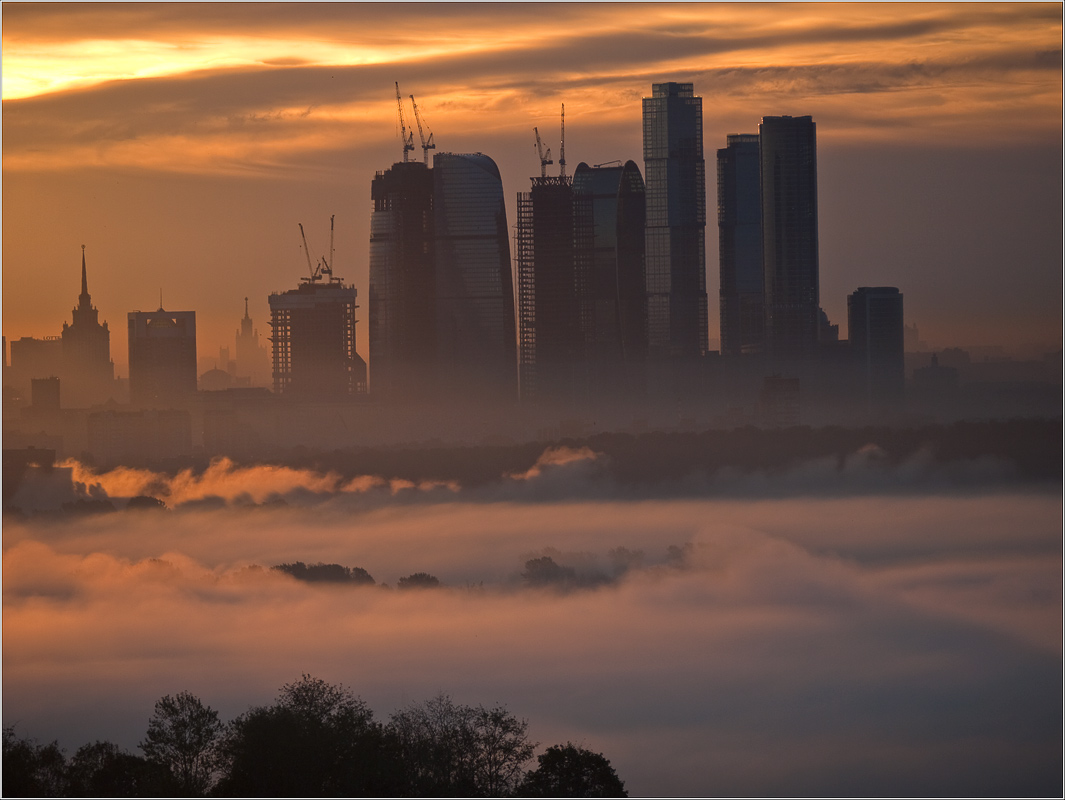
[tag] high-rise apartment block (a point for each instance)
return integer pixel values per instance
(162, 357)
(739, 221)
(313, 335)
(788, 152)
(676, 220)
(877, 334)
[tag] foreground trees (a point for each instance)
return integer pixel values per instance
(316, 740)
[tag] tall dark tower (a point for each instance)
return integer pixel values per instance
(162, 357)
(739, 222)
(253, 360)
(789, 235)
(402, 283)
(88, 373)
(676, 221)
(877, 334)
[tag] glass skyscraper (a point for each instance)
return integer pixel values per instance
(739, 222)
(676, 221)
(789, 235)
(476, 343)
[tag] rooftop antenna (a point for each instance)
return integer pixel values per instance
(160, 298)
(408, 139)
(562, 149)
(426, 145)
(545, 158)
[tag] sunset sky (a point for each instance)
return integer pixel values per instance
(183, 143)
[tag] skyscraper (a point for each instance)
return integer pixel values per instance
(739, 221)
(253, 360)
(162, 357)
(876, 331)
(550, 290)
(474, 306)
(88, 372)
(314, 341)
(789, 235)
(676, 221)
(402, 326)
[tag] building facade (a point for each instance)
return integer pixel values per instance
(788, 168)
(88, 371)
(675, 244)
(162, 357)
(313, 336)
(876, 331)
(739, 222)
(476, 343)
(402, 328)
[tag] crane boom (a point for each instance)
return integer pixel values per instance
(408, 139)
(426, 146)
(545, 158)
(307, 252)
(330, 264)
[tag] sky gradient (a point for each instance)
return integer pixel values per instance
(183, 143)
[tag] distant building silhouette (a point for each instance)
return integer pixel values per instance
(676, 220)
(35, 358)
(253, 360)
(313, 340)
(162, 357)
(876, 331)
(551, 290)
(739, 220)
(88, 372)
(611, 208)
(475, 331)
(788, 147)
(402, 326)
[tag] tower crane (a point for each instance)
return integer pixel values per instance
(562, 150)
(426, 146)
(408, 139)
(315, 273)
(545, 158)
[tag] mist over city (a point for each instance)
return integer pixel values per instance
(660, 400)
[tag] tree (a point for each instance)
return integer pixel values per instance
(571, 771)
(452, 750)
(419, 580)
(103, 769)
(182, 736)
(545, 572)
(31, 769)
(318, 739)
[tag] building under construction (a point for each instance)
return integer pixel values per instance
(313, 338)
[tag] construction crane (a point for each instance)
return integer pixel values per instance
(426, 146)
(562, 150)
(408, 139)
(315, 273)
(545, 158)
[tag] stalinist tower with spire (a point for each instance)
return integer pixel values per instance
(88, 371)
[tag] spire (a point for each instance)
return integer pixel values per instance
(246, 308)
(84, 301)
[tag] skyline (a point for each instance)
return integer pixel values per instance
(186, 166)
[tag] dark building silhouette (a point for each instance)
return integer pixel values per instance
(789, 235)
(88, 372)
(676, 220)
(313, 336)
(35, 358)
(402, 329)
(162, 357)
(551, 290)
(739, 221)
(876, 330)
(253, 359)
(613, 199)
(45, 393)
(476, 340)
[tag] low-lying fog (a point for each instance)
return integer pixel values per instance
(888, 643)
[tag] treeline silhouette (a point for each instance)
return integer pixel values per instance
(316, 740)
(1032, 446)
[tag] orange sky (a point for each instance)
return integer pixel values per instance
(182, 143)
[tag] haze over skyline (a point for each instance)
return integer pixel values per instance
(182, 143)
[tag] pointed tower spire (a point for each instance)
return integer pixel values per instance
(246, 308)
(84, 300)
